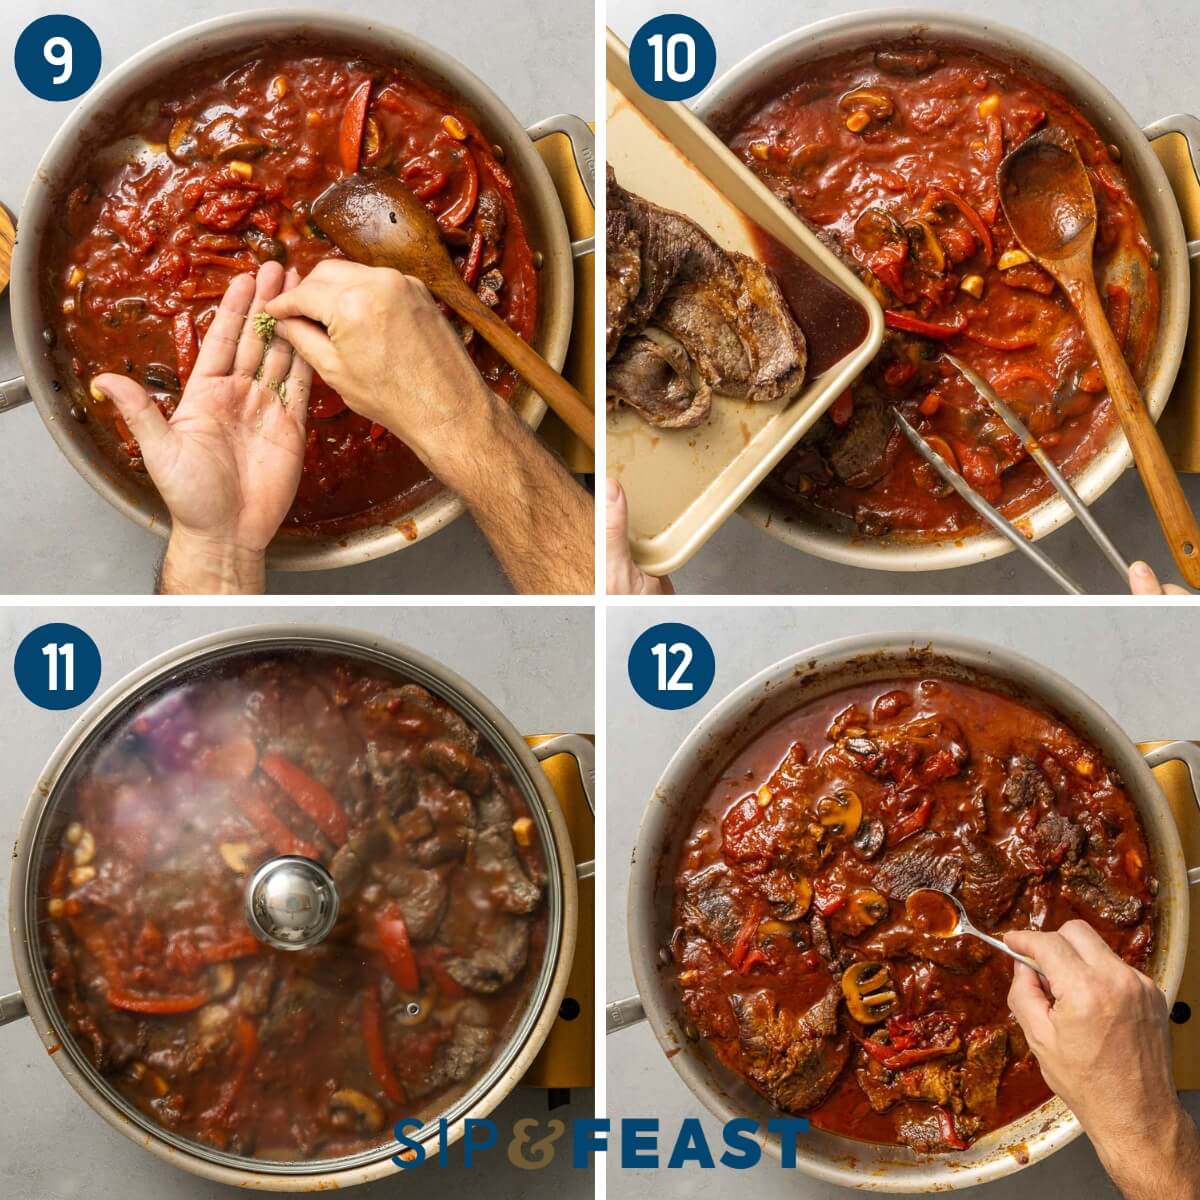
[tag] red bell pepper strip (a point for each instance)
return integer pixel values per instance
(256, 808)
(842, 409)
(1023, 372)
(311, 797)
(976, 222)
(910, 324)
(397, 949)
(912, 823)
(377, 1049)
(183, 334)
(470, 268)
(158, 1005)
(462, 208)
(743, 945)
(354, 120)
(246, 1036)
(949, 1133)
(1016, 341)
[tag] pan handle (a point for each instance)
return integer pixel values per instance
(1189, 127)
(14, 393)
(12, 1008)
(620, 1014)
(584, 754)
(1187, 753)
(583, 146)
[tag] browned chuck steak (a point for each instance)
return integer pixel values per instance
(724, 309)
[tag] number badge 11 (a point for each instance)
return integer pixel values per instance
(672, 665)
(57, 666)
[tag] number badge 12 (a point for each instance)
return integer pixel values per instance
(672, 665)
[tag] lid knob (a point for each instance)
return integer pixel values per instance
(291, 902)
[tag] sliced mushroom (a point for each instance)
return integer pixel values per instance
(908, 62)
(926, 250)
(264, 247)
(350, 1109)
(866, 907)
(840, 813)
(869, 839)
(228, 138)
(876, 228)
(413, 1008)
(875, 101)
(181, 141)
(870, 997)
(221, 978)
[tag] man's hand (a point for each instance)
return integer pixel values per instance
(228, 462)
(623, 576)
(380, 341)
(1101, 1039)
(1144, 582)
(378, 338)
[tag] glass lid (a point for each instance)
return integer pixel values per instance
(287, 895)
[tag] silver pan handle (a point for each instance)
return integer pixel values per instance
(583, 146)
(584, 754)
(1189, 127)
(12, 1008)
(620, 1014)
(1187, 753)
(14, 393)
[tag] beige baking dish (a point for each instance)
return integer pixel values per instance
(682, 484)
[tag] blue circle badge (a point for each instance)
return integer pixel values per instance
(57, 57)
(672, 57)
(672, 665)
(57, 666)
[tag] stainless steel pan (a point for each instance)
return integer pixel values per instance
(54, 395)
(776, 60)
(751, 709)
(35, 998)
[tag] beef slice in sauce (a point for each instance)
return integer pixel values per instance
(794, 1058)
(990, 882)
(652, 373)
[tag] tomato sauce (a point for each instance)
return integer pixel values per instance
(798, 865)
(213, 172)
(892, 154)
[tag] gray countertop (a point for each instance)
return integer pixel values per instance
(58, 536)
(1114, 654)
(528, 661)
(1136, 49)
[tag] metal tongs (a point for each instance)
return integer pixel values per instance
(1000, 523)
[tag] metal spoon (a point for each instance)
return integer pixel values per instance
(963, 925)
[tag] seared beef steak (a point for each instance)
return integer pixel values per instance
(731, 325)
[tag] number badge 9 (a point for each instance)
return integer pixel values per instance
(57, 57)
(57, 666)
(672, 665)
(672, 57)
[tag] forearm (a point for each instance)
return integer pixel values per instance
(1156, 1157)
(538, 520)
(210, 567)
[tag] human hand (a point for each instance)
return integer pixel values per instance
(1100, 1036)
(377, 337)
(228, 462)
(623, 577)
(1143, 582)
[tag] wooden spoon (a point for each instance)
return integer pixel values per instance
(1047, 198)
(376, 220)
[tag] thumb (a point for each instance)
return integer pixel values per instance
(140, 413)
(616, 521)
(310, 341)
